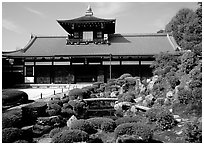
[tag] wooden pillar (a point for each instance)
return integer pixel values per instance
(34, 65)
(52, 71)
(140, 68)
(23, 70)
(110, 69)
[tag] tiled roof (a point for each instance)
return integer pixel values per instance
(85, 19)
(121, 44)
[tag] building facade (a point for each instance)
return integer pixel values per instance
(91, 51)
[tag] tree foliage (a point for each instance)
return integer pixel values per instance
(186, 27)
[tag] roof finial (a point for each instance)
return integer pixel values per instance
(89, 11)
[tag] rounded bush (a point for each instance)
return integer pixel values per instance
(54, 131)
(34, 110)
(105, 124)
(67, 112)
(70, 136)
(140, 130)
(10, 97)
(76, 93)
(79, 108)
(128, 119)
(83, 125)
(130, 81)
(10, 135)
(12, 118)
(53, 109)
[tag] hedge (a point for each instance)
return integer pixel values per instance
(140, 130)
(10, 97)
(83, 125)
(105, 124)
(70, 136)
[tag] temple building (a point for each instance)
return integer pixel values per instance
(89, 51)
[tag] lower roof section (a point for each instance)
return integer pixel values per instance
(120, 45)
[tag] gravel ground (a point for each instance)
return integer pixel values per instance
(35, 93)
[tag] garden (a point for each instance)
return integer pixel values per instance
(166, 108)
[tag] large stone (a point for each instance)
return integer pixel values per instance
(129, 139)
(119, 105)
(155, 78)
(149, 97)
(139, 99)
(71, 120)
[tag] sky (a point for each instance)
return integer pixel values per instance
(21, 19)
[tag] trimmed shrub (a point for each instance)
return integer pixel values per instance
(67, 112)
(140, 130)
(53, 109)
(128, 119)
(83, 125)
(79, 108)
(165, 120)
(34, 110)
(76, 93)
(70, 136)
(125, 76)
(12, 118)
(130, 81)
(105, 124)
(54, 131)
(10, 135)
(10, 97)
(58, 102)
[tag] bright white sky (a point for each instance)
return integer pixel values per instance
(20, 19)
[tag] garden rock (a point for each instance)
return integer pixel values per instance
(149, 97)
(71, 120)
(52, 121)
(129, 139)
(139, 99)
(169, 94)
(119, 105)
